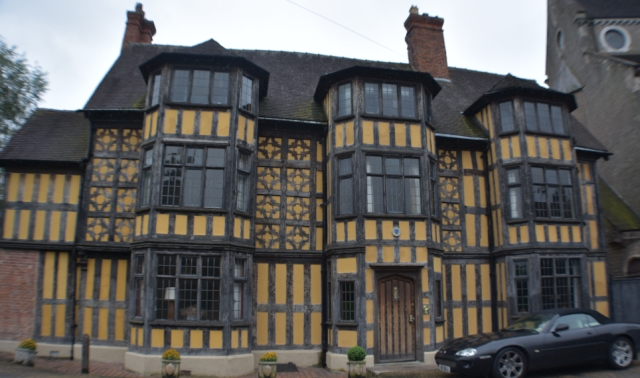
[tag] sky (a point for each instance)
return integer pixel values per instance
(77, 41)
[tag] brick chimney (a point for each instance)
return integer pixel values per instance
(425, 44)
(139, 29)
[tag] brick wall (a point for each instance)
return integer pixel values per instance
(18, 290)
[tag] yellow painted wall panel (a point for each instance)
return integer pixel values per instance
(524, 234)
(469, 190)
(383, 134)
(105, 280)
(219, 225)
(263, 283)
(593, 233)
(349, 133)
(484, 231)
(121, 280)
(154, 123)
(157, 337)
(470, 224)
(576, 237)
(14, 184)
(48, 275)
(162, 224)
(215, 339)
(38, 231)
(45, 325)
(199, 225)
(387, 228)
(145, 224)
(439, 334)
(281, 328)
(339, 135)
(43, 189)
(405, 254)
(420, 230)
(486, 319)
(600, 278)
(370, 232)
(298, 328)
(513, 234)
(54, 226)
(370, 339)
(437, 264)
(262, 328)
(316, 284)
(421, 254)
(319, 238)
(504, 148)
(281, 283)
(347, 339)
(531, 146)
(88, 321)
(60, 320)
(603, 307)
(471, 282)
(564, 234)
(177, 338)
(483, 191)
(515, 147)
(298, 284)
(242, 121)
(244, 338)
(400, 132)
(456, 287)
(416, 137)
(544, 147)
(224, 120)
(589, 198)
(367, 132)
(457, 322)
(566, 150)
(70, 227)
(195, 336)
(250, 131)
(555, 149)
(25, 222)
(467, 163)
(388, 254)
(170, 121)
(405, 233)
(340, 232)
(370, 311)
(91, 269)
(206, 120)
(346, 265)
(27, 192)
(118, 334)
(425, 281)
(351, 231)
(103, 324)
(316, 328)
(371, 253)
(62, 275)
(180, 225)
(188, 122)
(369, 280)
(9, 220)
(319, 189)
(540, 233)
(486, 283)
(147, 126)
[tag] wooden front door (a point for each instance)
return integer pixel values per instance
(396, 319)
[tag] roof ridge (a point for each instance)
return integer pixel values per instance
(317, 54)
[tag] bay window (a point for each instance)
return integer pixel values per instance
(514, 189)
(244, 169)
(552, 192)
(200, 87)
(393, 185)
(543, 118)
(345, 183)
(344, 99)
(560, 284)
(390, 100)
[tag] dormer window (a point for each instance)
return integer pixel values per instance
(543, 118)
(200, 87)
(389, 100)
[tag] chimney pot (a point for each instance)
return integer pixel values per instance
(425, 44)
(138, 29)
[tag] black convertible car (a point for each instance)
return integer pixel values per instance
(547, 339)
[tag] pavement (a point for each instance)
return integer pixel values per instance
(56, 368)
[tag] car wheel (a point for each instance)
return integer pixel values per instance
(509, 363)
(620, 353)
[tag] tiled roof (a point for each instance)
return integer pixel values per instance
(616, 210)
(611, 8)
(50, 135)
(583, 136)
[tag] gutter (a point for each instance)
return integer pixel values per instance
(460, 137)
(603, 152)
(291, 120)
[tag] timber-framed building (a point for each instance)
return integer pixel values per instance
(227, 202)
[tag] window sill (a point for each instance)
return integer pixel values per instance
(395, 216)
(242, 213)
(241, 323)
(186, 323)
(137, 321)
(542, 133)
(558, 220)
(187, 209)
(346, 324)
(509, 133)
(383, 117)
(345, 217)
(344, 118)
(203, 106)
(246, 112)
(517, 221)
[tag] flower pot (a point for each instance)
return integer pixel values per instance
(170, 368)
(356, 369)
(267, 369)
(25, 356)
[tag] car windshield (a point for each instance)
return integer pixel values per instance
(531, 323)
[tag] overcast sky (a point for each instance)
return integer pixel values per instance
(76, 41)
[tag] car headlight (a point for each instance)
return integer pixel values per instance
(467, 352)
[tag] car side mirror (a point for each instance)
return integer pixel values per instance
(561, 327)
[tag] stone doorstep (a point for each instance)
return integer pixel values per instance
(405, 369)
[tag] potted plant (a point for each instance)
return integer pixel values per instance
(356, 362)
(267, 365)
(170, 364)
(26, 352)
